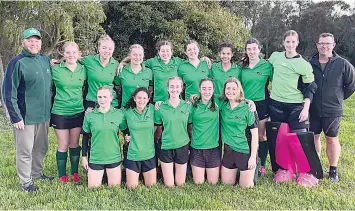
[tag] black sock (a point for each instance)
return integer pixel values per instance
(332, 169)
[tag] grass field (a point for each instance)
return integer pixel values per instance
(266, 195)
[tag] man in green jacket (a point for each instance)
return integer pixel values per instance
(26, 94)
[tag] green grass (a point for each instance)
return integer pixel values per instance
(266, 195)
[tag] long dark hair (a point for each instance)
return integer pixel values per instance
(245, 58)
(213, 104)
(131, 103)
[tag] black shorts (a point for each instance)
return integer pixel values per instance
(329, 125)
(140, 166)
(235, 160)
(205, 158)
(98, 167)
(67, 122)
(179, 155)
(288, 113)
(262, 107)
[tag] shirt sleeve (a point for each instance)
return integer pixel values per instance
(86, 124)
(306, 72)
(252, 119)
(117, 80)
(157, 117)
(13, 77)
(349, 80)
(123, 124)
(84, 60)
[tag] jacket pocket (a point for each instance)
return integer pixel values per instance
(331, 99)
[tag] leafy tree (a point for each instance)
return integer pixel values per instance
(147, 22)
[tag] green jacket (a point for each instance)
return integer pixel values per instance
(27, 88)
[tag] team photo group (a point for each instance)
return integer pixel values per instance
(168, 116)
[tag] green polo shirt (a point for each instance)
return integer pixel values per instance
(161, 74)
(130, 81)
(192, 76)
(99, 76)
(205, 126)
(105, 146)
(285, 78)
(234, 122)
(220, 76)
(255, 80)
(141, 128)
(174, 121)
(68, 98)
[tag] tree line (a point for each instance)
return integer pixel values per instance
(209, 23)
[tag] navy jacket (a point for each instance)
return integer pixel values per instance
(335, 84)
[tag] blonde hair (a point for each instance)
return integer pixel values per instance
(135, 46)
(239, 85)
(175, 78)
(105, 88)
(69, 43)
(103, 38)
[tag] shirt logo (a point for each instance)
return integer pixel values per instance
(259, 73)
(185, 112)
(238, 117)
(283, 64)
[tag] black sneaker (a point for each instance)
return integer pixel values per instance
(30, 188)
(333, 176)
(44, 177)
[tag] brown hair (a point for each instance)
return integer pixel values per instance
(191, 42)
(236, 81)
(291, 33)
(69, 43)
(245, 58)
(326, 35)
(131, 103)
(103, 38)
(213, 104)
(163, 42)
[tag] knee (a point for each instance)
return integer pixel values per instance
(332, 140)
(179, 182)
(169, 184)
(262, 137)
(131, 185)
(246, 185)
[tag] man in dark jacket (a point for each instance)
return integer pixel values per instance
(335, 78)
(26, 93)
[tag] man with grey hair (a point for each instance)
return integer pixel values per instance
(26, 94)
(335, 78)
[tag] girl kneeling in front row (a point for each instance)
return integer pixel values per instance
(103, 123)
(139, 118)
(235, 118)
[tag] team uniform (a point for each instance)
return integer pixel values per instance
(175, 139)
(234, 122)
(105, 146)
(220, 76)
(255, 82)
(98, 76)
(141, 152)
(161, 74)
(130, 81)
(286, 99)
(205, 134)
(290, 152)
(68, 109)
(192, 76)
